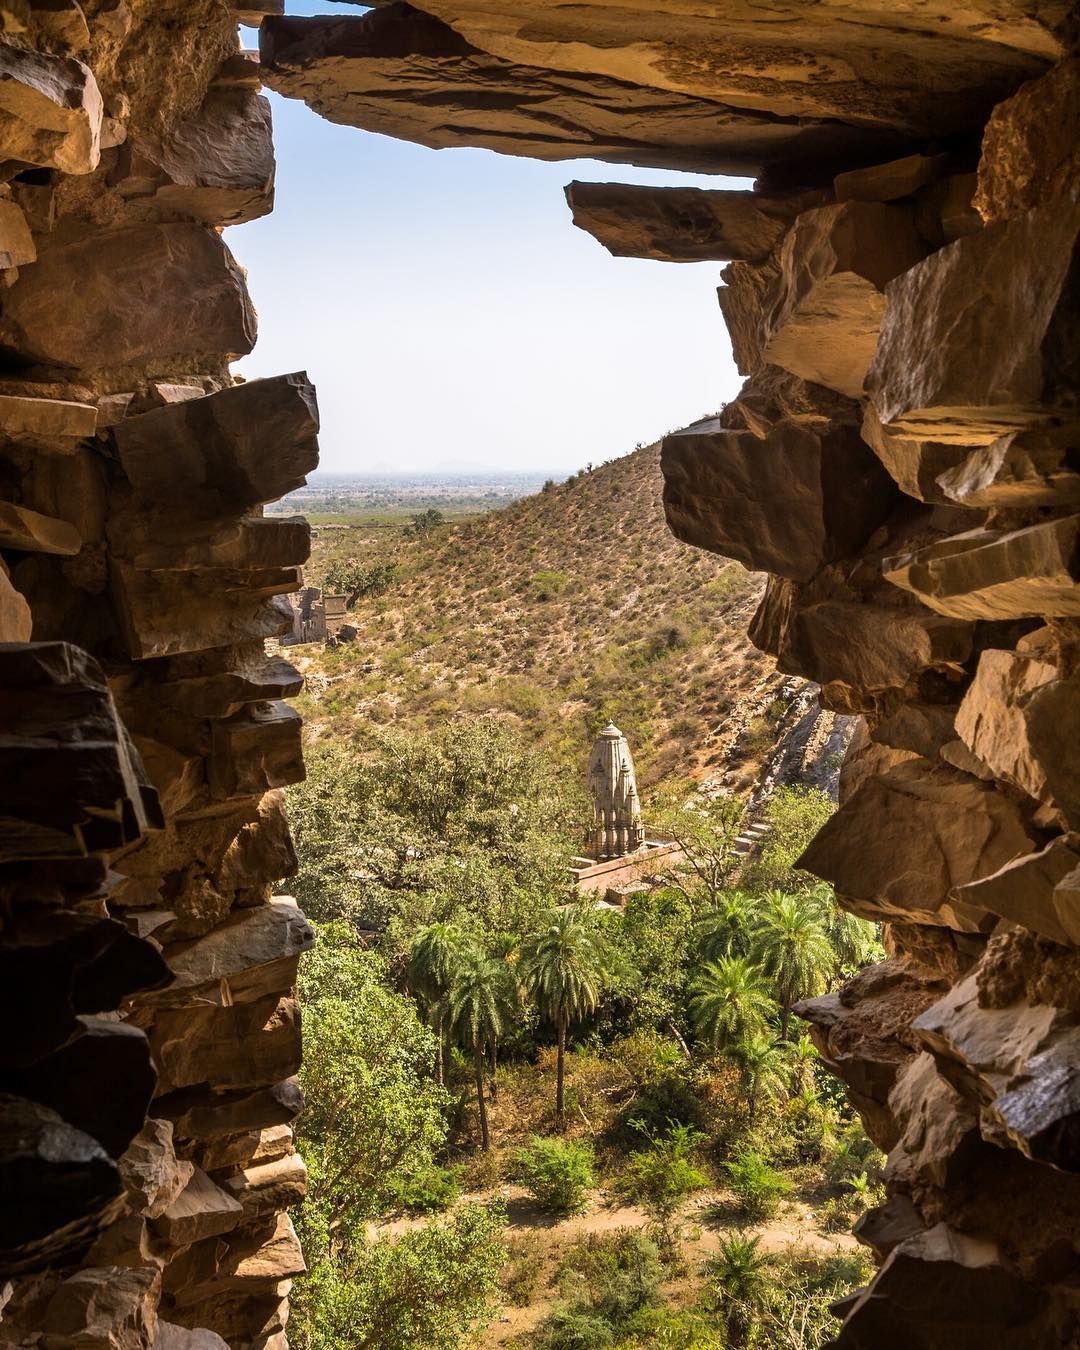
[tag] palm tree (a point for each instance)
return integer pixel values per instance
(437, 955)
(729, 1002)
(725, 930)
(739, 1274)
(803, 1056)
(479, 1005)
(793, 948)
(763, 1065)
(562, 967)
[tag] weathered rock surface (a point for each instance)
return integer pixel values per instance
(217, 167)
(1021, 718)
(975, 340)
(994, 575)
(947, 828)
(683, 224)
(1029, 146)
(50, 111)
(787, 502)
(828, 301)
(405, 73)
(1038, 890)
(772, 98)
(213, 449)
(942, 1289)
(150, 294)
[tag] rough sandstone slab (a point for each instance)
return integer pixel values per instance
(945, 828)
(858, 646)
(253, 953)
(70, 781)
(212, 450)
(217, 167)
(1037, 890)
(50, 111)
(683, 224)
(201, 1210)
(147, 294)
(46, 419)
(153, 1175)
(16, 243)
(1022, 719)
(170, 614)
(407, 74)
(251, 1045)
(31, 532)
(218, 1114)
(268, 1187)
(256, 750)
(1022, 469)
(1030, 150)
(914, 465)
(1020, 1062)
(936, 1124)
(829, 298)
(785, 503)
(942, 1290)
(986, 574)
(16, 624)
(889, 182)
(977, 340)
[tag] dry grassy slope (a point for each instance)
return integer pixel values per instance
(558, 612)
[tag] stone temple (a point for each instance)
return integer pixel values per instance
(901, 288)
(617, 828)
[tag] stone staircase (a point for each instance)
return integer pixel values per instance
(751, 839)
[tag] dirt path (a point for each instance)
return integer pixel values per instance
(708, 1220)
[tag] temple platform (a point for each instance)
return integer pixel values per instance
(613, 877)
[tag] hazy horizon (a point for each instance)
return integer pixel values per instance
(448, 310)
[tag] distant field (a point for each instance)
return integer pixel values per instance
(384, 499)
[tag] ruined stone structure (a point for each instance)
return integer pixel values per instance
(315, 616)
(902, 296)
(617, 827)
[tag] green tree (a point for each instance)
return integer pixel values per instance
(562, 968)
(356, 580)
(706, 830)
(423, 522)
(480, 1005)
(739, 1277)
(792, 947)
(729, 1002)
(795, 815)
(763, 1069)
(397, 831)
(438, 953)
(374, 1115)
(725, 930)
(431, 1289)
(663, 1176)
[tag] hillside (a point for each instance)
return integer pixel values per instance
(559, 612)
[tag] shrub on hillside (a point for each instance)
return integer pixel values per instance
(558, 1173)
(611, 1275)
(758, 1186)
(662, 1177)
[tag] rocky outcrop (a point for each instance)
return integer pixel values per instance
(146, 1097)
(901, 293)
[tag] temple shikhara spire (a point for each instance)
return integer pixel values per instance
(617, 827)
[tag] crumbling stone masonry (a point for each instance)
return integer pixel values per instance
(902, 296)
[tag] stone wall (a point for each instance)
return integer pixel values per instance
(151, 1031)
(902, 296)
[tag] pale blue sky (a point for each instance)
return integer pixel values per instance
(450, 312)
